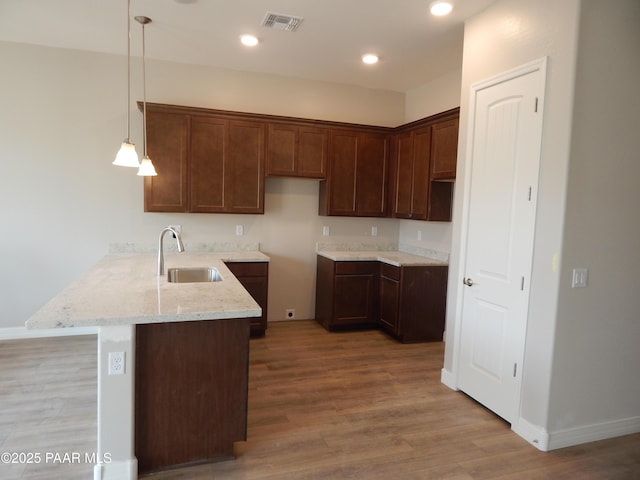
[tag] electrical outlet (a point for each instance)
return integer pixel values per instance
(579, 279)
(239, 230)
(374, 231)
(290, 313)
(116, 363)
(419, 235)
(325, 231)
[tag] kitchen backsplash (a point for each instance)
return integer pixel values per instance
(170, 246)
(357, 244)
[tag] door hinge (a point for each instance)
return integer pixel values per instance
(522, 283)
(515, 369)
(535, 109)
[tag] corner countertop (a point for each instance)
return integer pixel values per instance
(398, 259)
(123, 289)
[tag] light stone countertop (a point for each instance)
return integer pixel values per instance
(395, 258)
(123, 289)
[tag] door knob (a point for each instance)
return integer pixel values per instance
(467, 281)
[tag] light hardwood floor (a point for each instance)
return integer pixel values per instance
(354, 405)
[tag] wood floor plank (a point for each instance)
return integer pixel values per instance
(48, 390)
(343, 405)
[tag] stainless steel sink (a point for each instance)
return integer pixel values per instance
(193, 274)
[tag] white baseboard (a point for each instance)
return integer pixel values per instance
(535, 435)
(593, 433)
(546, 441)
(447, 378)
(19, 333)
(116, 470)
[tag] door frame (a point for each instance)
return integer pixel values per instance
(451, 379)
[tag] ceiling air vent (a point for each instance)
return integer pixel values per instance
(279, 21)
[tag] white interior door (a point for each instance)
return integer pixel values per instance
(506, 135)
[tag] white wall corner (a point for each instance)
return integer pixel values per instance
(592, 433)
(448, 378)
(534, 434)
(21, 333)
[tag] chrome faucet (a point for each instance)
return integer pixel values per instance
(160, 252)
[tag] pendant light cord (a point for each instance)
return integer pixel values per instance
(144, 93)
(129, 71)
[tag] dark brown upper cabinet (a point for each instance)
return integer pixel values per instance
(357, 177)
(206, 162)
(168, 147)
(424, 167)
(411, 189)
(296, 150)
(215, 161)
(444, 150)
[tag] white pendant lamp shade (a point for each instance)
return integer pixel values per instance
(127, 155)
(146, 168)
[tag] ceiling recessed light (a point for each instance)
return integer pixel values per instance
(249, 40)
(370, 58)
(440, 8)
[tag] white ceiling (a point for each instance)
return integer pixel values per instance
(414, 47)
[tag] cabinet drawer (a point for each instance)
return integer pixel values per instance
(248, 269)
(390, 271)
(356, 268)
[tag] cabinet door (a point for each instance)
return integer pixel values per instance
(244, 168)
(191, 388)
(296, 151)
(420, 178)
(403, 176)
(372, 171)
(167, 135)
(444, 150)
(207, 151)
(389, 298)
(423, 297)
(354, 297)
(324, 290)
(341, 195)
(312, 152)
(281, 149)
(254, 277)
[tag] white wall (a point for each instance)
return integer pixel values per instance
(62, 203)
(439, 95)
(506, 35)
(595, 377)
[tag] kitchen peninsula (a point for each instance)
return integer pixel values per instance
(172, 358)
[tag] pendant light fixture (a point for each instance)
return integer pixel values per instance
(127, 155)
(146, 166)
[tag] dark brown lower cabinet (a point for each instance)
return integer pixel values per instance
(346, 293)
(389, 298)
(254, 277)
(407, 302)
(190, 392)
(413, 302)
